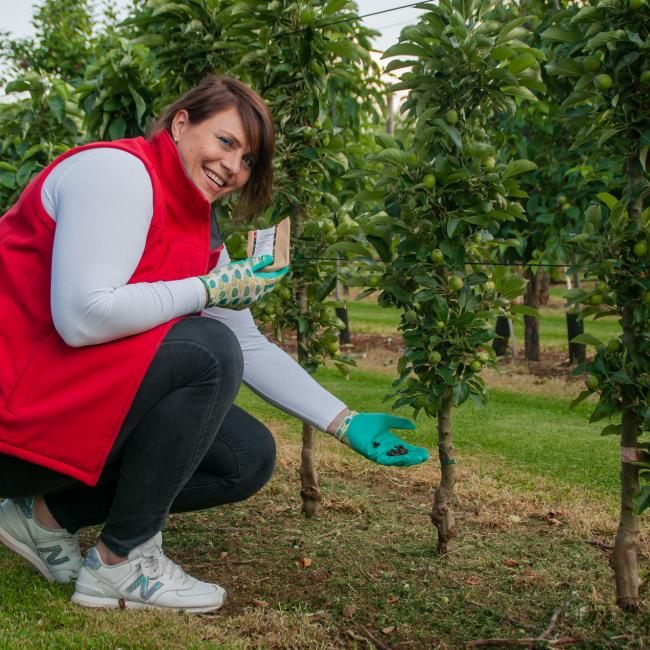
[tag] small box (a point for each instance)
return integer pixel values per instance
(271, 241)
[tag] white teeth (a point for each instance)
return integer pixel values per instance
(213, 177)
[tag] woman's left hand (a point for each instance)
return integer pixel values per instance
(369, 435)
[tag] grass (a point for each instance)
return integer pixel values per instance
(352, 574)
(536, 495)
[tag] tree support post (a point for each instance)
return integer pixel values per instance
(531, 323)
(442, 514)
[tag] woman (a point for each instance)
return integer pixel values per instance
(125, 346)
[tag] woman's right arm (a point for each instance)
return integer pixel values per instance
(102, 202)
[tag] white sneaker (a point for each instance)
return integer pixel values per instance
(147, 578)
(53, 551)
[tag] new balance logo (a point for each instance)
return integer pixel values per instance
(145, 591)
(51, 555)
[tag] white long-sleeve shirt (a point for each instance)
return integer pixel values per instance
(102, 202)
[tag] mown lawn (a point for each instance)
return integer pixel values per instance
(536, 505)
(370, 556)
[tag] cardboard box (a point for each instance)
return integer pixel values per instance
(271, 241)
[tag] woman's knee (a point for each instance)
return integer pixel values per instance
(216, 339)
(256, 473)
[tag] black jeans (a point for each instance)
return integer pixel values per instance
(184, 446)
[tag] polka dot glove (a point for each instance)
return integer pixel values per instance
(369, 435)
(237, 284)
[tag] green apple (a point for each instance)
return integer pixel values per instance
(434, 358)
(307, 16)
(429, 181)
(614, 345)
(603, 81)
(437, 256)
(452, 116)
(592, 382)
(475, 366)
(596, 299)
(456, 283)
(645, 77)
(411, 317)
(640, 248)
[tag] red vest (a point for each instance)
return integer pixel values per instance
(62, 407)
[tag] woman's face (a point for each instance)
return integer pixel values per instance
(215, 152)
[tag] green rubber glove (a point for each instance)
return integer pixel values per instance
(369, 435)
(237, 284)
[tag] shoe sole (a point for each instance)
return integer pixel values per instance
(120, 603)
(26, 553)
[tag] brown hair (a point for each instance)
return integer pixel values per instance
(216, 93)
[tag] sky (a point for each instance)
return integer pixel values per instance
(15, 16)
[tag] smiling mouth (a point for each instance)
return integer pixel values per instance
(213, 178)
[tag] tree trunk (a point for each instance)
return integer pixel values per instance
(624, 557)
(502, 336)
(309, 491)
(442, 514)
(531, 323)
(544, 287)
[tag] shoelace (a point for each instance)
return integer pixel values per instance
(157, 564)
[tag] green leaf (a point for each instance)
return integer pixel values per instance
(607, 134)
(519, 91)
(611, 430)
(333, 6)
(8, 180)
(561, 35)
(521, 63)
(581, 398)
(608, 199)
(525, 310)
(516, 167)
(117, 128)
(513, 24)
(564, 68)
(406, 49)
(140, 105)
(450, 131)
(587, 339)
(355, 248)
(460, 393)
(603, 38)
(585, 13)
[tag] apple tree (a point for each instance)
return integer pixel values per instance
(443, 200)
(607, 45)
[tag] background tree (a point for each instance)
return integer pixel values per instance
(41, 123)
(609, 44)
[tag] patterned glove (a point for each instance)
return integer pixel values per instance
(237, 284)
(369, 435)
